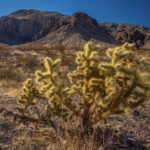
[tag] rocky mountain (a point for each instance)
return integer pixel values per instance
(128, 32)
(27, 25)
(24, 26)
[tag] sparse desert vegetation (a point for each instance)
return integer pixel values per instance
(48, 115)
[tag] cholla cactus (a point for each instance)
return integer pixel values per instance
(101, 88)
(87, 82)
(28, 96)
(107, 88)
(124, 86)
(52, 87)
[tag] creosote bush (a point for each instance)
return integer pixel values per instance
(97, 89)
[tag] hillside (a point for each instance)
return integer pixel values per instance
(52, 28)
(128, 32)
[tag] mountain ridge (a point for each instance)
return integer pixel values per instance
(52, 28)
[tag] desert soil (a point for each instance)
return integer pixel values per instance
(16, 135)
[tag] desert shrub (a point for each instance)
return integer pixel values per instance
(62, 51)
(10, 76)
(8, 84)
(97, 89)
(76, 48)
(10, 73)
(32, 47)
(29, 63)
(3, 50)
(66, 60)
(59, 47)
(2, 47)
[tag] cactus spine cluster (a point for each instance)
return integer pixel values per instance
(28, 96)
(87, 83)
(124, 86)
(52, 87)
(97, 89)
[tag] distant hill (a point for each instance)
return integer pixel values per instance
(128, 32)
(43, 27)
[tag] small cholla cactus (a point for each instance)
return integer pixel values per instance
(87, 82)
(28, 96)
(52, 87)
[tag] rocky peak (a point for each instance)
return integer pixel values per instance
(82, 20)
